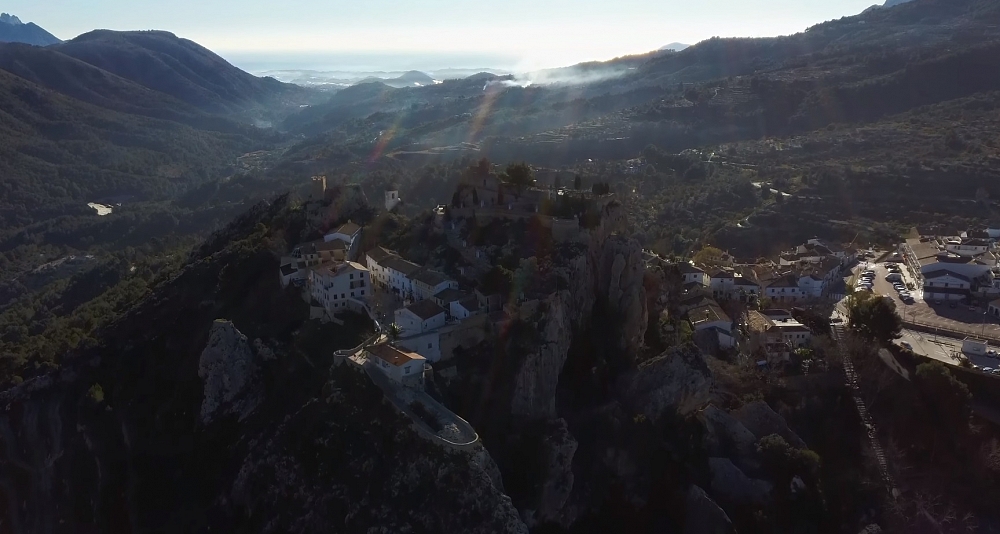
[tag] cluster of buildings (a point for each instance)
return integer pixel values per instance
(332, 283)
(435, 316)
(810, 271)
(955, 268)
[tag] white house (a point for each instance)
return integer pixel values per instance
(402, 367)
(712, 317)
(946, 285)
(789, 331)
(419, 317)
(464, 308)
(427, 283)
(722, 283)
(347, 232)
(812, 285)
(293, 271)
(341, 288)
(420, 327)
(967, 247)
(784, 289)
(392, 272)
(690, 273)
(709, 316)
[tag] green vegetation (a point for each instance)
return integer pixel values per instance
(874, 317)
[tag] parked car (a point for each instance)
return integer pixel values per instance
(988, 370)
(906, 345)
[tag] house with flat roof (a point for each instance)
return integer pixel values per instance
(401, 366)
(789, 331)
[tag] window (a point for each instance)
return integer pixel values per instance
(430, 345)
(362, 292)
(343, 296)
(352, 276)
(406, 371)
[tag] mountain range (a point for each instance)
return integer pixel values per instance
(875, 122)
(12, 30)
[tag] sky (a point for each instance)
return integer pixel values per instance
(525, 33)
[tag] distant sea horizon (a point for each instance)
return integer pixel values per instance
(345, 68)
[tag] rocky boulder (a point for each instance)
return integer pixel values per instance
(678, 380)
(725, 436)
(227, 368)
(760, 419)
(732, 485)
(703, 515)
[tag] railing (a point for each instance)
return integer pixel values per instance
(945, 331)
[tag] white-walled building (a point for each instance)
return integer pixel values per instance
(789, 331)
(812, 285)
(712, 317)
(946, 285)
(391, 199)
(784, 289)
(420, 317)
(691, 273)
(392, 273)
(402, 367)
(347, 232)
(340, 288)
(967, 247)
(427, 283)
(464, 308)
(293, 271)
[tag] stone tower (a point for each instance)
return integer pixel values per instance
(318, 189)
(391, 199)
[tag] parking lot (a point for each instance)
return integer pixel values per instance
(957, 317)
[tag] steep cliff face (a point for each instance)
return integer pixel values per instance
(608, 272)
(565, 313)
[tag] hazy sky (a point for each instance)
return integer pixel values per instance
(536, 32)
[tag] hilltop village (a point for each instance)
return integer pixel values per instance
(427, 317)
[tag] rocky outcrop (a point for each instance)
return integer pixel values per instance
(676, 381)
(703, 515)
(557, 450)
(227, 368)
(538, 376)
(725, 436)
(760, 419)
(620, 282)
(732, 485)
